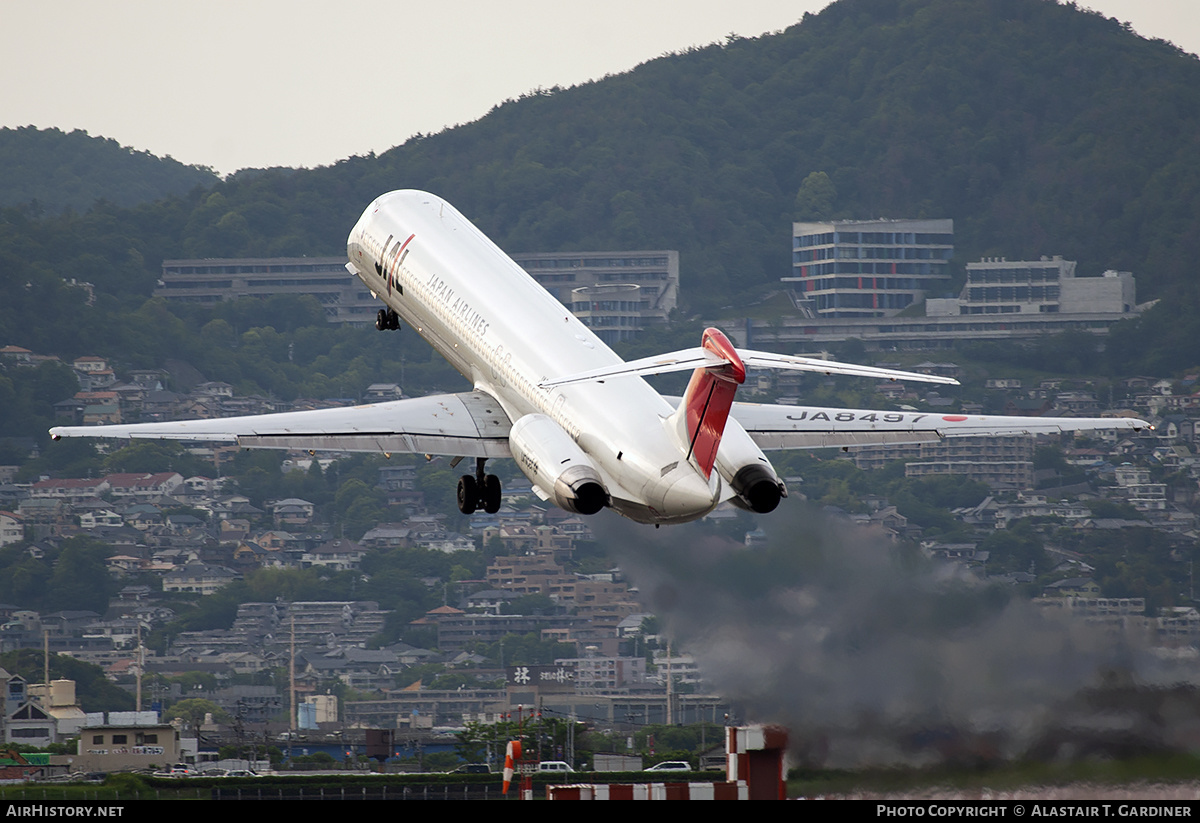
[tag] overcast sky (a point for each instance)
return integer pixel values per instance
(256, 83)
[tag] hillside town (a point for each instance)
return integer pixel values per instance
(599, 658)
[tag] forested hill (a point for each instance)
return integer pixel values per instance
(1039, 128)
(57, 170)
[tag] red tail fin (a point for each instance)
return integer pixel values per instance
(708, 400)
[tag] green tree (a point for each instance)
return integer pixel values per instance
(194, 709)
(94, 691)
(1018, 548)
(80, 578)
(815, 199)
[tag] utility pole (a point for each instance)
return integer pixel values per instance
(292, 719)
(670, 714)
(140, 663)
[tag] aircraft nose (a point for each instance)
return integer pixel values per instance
(691, 494)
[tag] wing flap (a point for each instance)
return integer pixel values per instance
(386, 444)
(471, 424)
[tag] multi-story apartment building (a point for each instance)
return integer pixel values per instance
(869, 268)
(531, 574)
(1046, 286)
(1001, 462)
(601, 672)
(1002, 300)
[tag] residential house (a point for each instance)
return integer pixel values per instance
(198, 577)
(339, 555)
(292, 512)
(12, 529)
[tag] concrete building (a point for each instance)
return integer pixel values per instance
(41, 716)
(60, 703)
(121, 747)
(530, 574)
(869, 268)
(1000, 462)
(1046, 286)
(208, 281)
(465, 631)
(615, 292)
(325, 707)
(1133, 483)
(808, 334)
(453, 707)
(604, 672)
(1002, 300)
(12, 529)
(31, 725)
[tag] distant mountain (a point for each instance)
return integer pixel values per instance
(59, 169)
(1039, 127)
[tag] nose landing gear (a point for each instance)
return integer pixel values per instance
(387, 320)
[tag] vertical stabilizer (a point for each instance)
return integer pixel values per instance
(700, 419)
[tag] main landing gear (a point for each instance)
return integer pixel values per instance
(387, 320)
(479, 491)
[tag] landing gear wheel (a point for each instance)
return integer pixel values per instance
(393, 320)
(491, 494)
(381, 320)
(468, 494)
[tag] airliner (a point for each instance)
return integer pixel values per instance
(582, 424)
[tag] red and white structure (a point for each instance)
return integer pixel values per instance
(753, 759)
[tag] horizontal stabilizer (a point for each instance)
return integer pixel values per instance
(703, 358)
(799, 427)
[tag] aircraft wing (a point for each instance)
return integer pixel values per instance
(470, 424)
(798, 427)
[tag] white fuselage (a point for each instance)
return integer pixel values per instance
(506, 334)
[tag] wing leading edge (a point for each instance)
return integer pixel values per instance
(470, 424)
(797, 427)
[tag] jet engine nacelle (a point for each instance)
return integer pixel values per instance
(556, 465)
(746, 469)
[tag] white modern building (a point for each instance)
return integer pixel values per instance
(869, 268)
(1002, 300)
(1045, 286)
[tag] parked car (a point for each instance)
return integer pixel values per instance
(554, 766)
(177, 770)
(670, 766)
